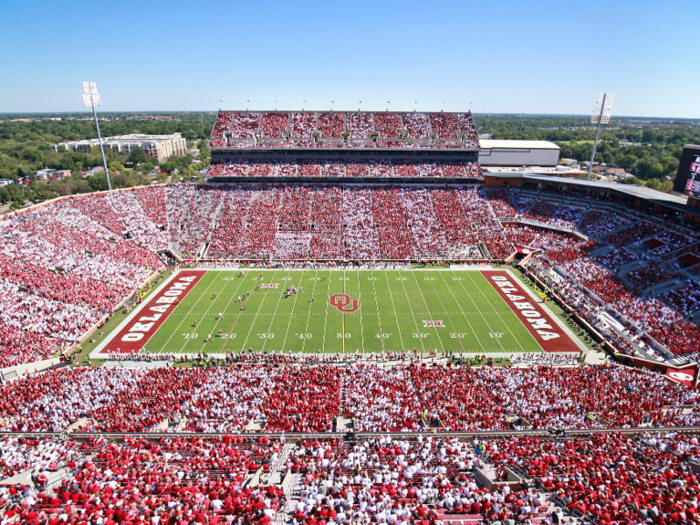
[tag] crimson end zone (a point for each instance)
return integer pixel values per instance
(542, 324)
(132, 334)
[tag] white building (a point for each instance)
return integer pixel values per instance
(519, 153)
(159, 147)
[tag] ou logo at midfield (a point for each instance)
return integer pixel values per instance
(341, 300)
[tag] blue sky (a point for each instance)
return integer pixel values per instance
(505, 57)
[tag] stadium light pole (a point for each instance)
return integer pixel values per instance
(602, 108)
(91, 99)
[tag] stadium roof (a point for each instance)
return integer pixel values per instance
(516, 144)
(640, 192)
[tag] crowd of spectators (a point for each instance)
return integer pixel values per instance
(649, 276)
(344, 130)
(610, 478)
(501, 202)
(603, 478)
(308, 398)
(685, 300)
(244, 124)
(615, 258)
(541, 211)
(598, 223)
(141, 481)
(372, 169)
(62, 270)
(634, 233)
(671, 241)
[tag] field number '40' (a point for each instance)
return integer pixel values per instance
(383, 336)
(496, 335)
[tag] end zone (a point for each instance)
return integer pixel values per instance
(133, 333)
(551, 335)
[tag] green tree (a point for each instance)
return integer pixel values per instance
(666, 186)
(654, 184)
(97, 182)
(138, 156)
(626, 162)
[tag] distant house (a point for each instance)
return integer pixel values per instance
(614, 171)
(50, 174)
(626, 143)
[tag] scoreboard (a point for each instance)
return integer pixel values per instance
(688, 176)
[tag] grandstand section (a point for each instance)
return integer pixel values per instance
(355, 146)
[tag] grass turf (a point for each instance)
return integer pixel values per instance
(393, 308)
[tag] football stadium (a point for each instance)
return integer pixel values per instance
(351, 323)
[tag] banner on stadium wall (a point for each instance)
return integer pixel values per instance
(685, 377)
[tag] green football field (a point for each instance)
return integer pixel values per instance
(394, 312)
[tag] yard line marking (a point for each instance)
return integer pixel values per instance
(481, 313)
(445, 310)
(325, 317)
(413, 316)
(308, 317)
(499, 316)
(206, 313)
(379, 317)
(240, 311)
(256, 316)
(233, 294)
(272, 321)
(362, 329)
(464, 314)
(393, 307)
(162, 348)
(291, 315)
